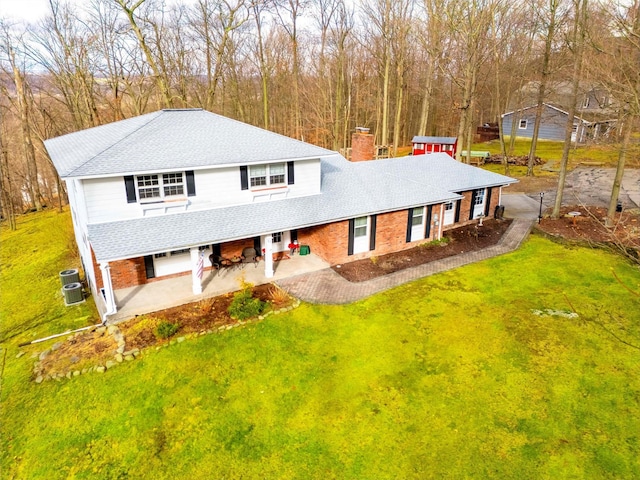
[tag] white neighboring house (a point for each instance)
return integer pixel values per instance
(150, 193)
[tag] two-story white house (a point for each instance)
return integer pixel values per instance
(149, 194)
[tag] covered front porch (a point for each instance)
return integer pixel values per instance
(175, 291)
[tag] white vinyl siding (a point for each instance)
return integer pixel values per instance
(106, 199)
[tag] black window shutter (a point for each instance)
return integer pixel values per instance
(457, 217)
(352, 226)
(215, 250)
(257, 245)
(409, 221)
(244, 178)
(130, 187)
(148, 266)
(290, 175)
(372, 233)
(473, 201)
(191, 183)
(294, 235)
(427, 232)
(487, 202)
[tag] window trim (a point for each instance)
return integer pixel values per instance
(164, 181)
(520, 123)
(268, 176)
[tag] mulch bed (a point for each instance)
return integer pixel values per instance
(589, 226)
(468, 238)
(96, 346)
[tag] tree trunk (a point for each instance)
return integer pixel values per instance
(160, 77)
(546, 62)
(27, 143)
(617, 181)
(579, 34)
(8, 209)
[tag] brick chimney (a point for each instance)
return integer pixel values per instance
(362, 145)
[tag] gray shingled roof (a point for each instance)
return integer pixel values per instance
(443, 140)
(348, 190)
(171, 139)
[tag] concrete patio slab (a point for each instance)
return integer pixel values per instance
(176, 291)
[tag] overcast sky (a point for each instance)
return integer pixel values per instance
(34, 10)
(27, 10)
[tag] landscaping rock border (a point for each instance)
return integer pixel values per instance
(122, 355)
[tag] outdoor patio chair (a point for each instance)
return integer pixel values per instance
(249, 255)
(218, 262)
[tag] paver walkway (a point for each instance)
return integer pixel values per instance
(326, 286)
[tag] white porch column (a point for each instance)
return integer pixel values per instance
(441, 221)
(110, 299)
(268, 257)
(196, 284)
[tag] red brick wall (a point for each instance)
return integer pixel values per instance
(97, 271)
(234, 249)
(362, 147)
(331, 241)
(465, 207)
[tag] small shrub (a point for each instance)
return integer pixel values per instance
(166, 329)
(374, 260)
(243, 305)
(278, 295)
(206, 306)
(437, 243)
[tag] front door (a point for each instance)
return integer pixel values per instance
(449, 213)
(417, 224)
(478, 204)
(280, 241)
(361, 235)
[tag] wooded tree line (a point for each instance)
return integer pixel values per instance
(308, 69)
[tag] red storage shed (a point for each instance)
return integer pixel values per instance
(423, 145)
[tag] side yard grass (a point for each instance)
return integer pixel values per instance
(31, 259)
(604, 155)
(481, 372)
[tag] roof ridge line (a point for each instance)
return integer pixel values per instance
(158, 113)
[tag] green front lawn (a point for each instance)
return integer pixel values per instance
(453, 376)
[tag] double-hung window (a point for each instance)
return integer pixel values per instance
(160, 186)
(479, 199)
(417, 216)
(360, 227)
(267, 175)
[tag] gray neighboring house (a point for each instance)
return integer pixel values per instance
(152, 196)
(552, 124)
(595, 115)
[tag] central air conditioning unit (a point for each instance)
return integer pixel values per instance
(72, 293)
(69, 276)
